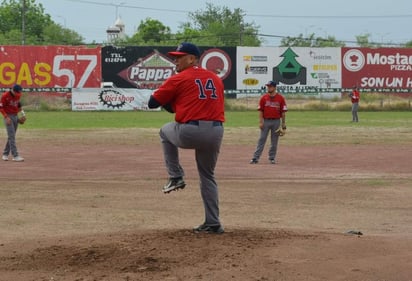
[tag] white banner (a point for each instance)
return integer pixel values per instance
(117, 99)
(295, 69)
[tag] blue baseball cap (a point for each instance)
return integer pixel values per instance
(186, 48)
(271, 83)
(17, 88)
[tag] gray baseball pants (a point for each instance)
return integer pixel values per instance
(205, 138)
(355, 107)
(11, 136)
(269, 125)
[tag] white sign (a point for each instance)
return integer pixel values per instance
(295, 69)
(115, 99)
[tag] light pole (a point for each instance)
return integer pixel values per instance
(324, 32)
(23, 22)
(64, 20)
(117, 7)
(383, 35)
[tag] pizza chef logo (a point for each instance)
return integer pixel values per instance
(353, 60)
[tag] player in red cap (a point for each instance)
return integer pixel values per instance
(196, 96)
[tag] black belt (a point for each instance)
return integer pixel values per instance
(272, 118)
(196, 123)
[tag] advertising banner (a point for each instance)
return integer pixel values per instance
(381, 70)
(297, 69)
(50, 66)
(148, 67)
(88, 99)
(244, 70)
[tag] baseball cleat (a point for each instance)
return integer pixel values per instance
(174, 184)
(214, 229)
(18, 159)
(5, 158)
(272, 161)
(253, 161)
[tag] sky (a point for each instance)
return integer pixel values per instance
(387, 22)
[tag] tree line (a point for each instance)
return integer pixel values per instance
(24, 22)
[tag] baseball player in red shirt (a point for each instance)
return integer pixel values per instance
(355, 97)
(196, 96)
(272, 110)
(10, 106)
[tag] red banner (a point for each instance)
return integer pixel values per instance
(383, 68)
(50, 66)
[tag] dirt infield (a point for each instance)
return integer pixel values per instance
(87, 205)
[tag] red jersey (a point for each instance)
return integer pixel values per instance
(355, 96)
(9, 103)
(194, 94)
(272, 107)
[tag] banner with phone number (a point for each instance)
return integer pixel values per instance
(50, 66)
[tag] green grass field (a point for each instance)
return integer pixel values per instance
(141, 119)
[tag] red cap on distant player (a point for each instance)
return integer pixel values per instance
(186, 49)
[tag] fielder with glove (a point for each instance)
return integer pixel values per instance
(10, 107)
(272, 116)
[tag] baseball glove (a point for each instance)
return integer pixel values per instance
(281, 131)
(21, 120)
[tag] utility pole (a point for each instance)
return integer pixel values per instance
(117, 8)
(23, 22)
(64, 20)
(241, 34)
